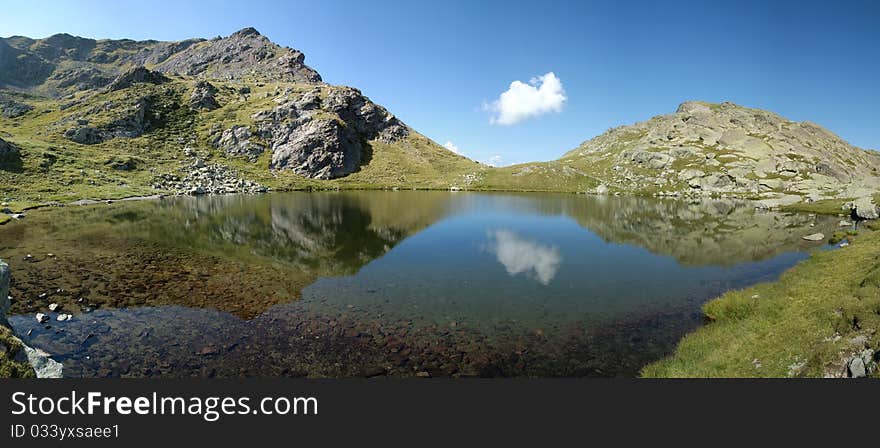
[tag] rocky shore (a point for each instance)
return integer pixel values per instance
(16, 358)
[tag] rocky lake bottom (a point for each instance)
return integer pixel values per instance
(364, 284)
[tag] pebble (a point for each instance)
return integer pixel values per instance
(42, 317)
(52, 306)
(423, 374)
(64, 317)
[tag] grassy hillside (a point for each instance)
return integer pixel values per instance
(812, 322)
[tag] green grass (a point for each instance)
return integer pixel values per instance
(801, 325)
(10, 347)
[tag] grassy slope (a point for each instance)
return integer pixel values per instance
(56, 169)
(801, 325)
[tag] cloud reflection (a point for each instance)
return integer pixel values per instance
(520, 255)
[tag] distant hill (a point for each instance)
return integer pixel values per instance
(706, 149)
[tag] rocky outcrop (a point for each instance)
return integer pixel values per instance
(130, 121)
(136, 75)
(202, 97)
(13, 109)
(236, 141)
(729, 150)
(9, 152)
(324, 133)
(320, 149)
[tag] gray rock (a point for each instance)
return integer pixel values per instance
(43, 364)
(13, 109)
(864, 208)
(857, 368)
(136, 75)
(814, 237)
(237, 141)
(84, 135)
(320, 149)
(202, 97)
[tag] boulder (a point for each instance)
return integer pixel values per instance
(44, 366)
(857, 368)
(864, 208)
(84, 135)
(9, 152)
(202, 97)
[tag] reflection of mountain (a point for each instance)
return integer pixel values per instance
(711, 232)
(243, 254)
(520, 255)
(328, 234)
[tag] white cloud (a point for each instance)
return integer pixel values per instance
(521, 101)
(494, 160)
(451, 146)
(519, 255)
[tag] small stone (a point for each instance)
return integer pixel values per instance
(814, 237)
(64, 317)
(845, 224)
(52, 306)
(423, 374)
(42, 317)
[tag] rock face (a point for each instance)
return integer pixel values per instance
(325, 133)
(729, 150)
(136, 75)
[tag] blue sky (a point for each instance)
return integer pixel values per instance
(441, 65)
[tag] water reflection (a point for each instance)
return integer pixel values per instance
(347, 283)
(520, 255)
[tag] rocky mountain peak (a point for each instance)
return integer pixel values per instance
(249, 31)
(245, 53)
(730, 150)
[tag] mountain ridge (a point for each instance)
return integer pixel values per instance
(109, 118)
